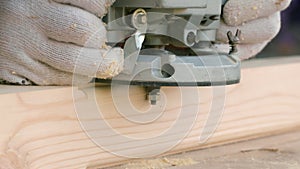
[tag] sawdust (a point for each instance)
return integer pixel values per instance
(34, 17)
(105, 46)
(73, 26)
(161, 163)
(255, 8)
(279, 2)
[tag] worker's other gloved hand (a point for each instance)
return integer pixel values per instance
(259, 21)
(40, 41)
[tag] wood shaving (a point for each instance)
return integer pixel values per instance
(255, 8)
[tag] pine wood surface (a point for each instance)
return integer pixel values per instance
(39, 128)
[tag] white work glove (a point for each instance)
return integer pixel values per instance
(40, 41)
(259, 21)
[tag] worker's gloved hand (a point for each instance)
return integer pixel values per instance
(259, 21)
(40, 41)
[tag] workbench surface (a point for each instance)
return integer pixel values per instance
(275, 152)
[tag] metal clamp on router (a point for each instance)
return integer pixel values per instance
(171, 43)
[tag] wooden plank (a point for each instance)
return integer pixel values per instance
(40, 129)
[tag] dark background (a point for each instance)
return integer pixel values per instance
(287, 42)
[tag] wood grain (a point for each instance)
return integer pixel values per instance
(40, 129)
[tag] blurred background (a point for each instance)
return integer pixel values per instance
(287, 41)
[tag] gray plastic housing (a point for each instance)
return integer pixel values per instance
(171, 22)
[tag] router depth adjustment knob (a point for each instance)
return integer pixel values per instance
(139, 19)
